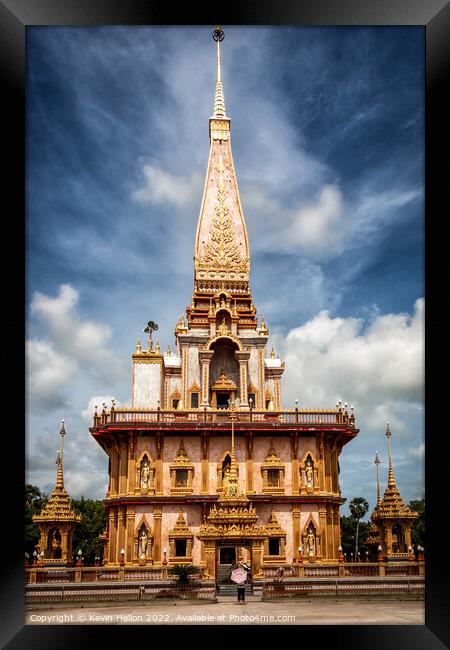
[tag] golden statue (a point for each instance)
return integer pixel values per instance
(309, 473)
(310, 542)
(144, 543)
(145, 474)
(226, 479)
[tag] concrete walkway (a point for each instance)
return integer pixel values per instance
(228, 612)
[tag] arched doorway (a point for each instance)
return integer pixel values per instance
(224, 374)
(398, 539)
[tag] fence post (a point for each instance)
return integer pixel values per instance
(78, 571)
(381, 569)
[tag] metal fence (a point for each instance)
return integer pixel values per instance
(46, 594)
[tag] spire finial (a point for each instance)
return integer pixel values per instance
(59, 460)
(219, 102)
(391, 479)
(377, 462)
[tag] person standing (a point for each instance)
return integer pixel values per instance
(241, 593)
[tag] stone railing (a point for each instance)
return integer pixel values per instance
(42, 574)
(293, 416)
(344, 569)
(85, 574)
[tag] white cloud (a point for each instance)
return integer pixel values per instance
(317, 224)
(88, 413)
(418, 452)
(163, 187)
(48, 373)
(327, 357)
(81, 341)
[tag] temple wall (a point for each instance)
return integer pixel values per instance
(146, 443)
(193, 368)
(270, 386)
(146, 385)
(217, 449)
(174, 385)
(282, 447)
(306, 511)
(307, 445)
(193, 450)
(253, 367)
(192, 515)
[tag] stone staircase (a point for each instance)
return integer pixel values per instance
(225, 586)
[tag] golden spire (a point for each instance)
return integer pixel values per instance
(391, 479)
(219, 102)
(233, 465)
(58, 507)
(59, 460)
(377, 462)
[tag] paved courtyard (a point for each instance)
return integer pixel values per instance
(227, 611)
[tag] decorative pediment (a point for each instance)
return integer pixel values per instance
(223, 383)
(272, 459)
(273, 472)
(181, 472)
(273, 527)
(181, 529)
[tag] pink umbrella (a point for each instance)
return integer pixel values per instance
(239, 576)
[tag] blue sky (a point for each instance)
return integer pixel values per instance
(327, 133)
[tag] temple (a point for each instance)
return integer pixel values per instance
(206, 466)
(390, 531)
(57, 520)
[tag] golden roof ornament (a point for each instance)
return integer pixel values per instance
(219, 101)
(223, 383)
(223, 329)
(377, 462)
(392, 504)
(138, 347)
(58, 507)
(221, 259)
(263, 328)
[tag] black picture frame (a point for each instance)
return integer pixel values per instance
(15, 16)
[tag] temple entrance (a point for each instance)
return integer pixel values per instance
(227, 555)
(223, 399)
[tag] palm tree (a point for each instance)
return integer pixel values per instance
(183, 572)
(358, 508)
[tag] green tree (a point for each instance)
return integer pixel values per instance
(348, 536)
(93, 523)
(418, 525)
(358, 509)
(183, 572)
(34, 502)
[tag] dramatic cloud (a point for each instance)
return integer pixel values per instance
(48, 373)
(82, 342)
(162, 187)
(328, 356)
